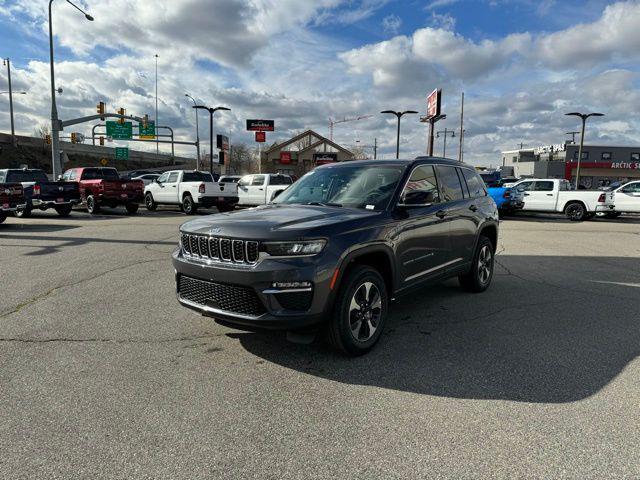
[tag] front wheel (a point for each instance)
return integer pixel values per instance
(149, 202)
(131, 208)
(92, 205)
(576, 212)
(188, 205)
(479, 277)
(360, 312)
(64, 210)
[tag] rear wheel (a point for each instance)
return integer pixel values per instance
(131, 208)
(64, 210)
(92, 205)
(188, 205)
(149, 202)
(360, 312)
(23, 212)
(576, 212)
(479, 277)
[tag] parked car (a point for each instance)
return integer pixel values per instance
(102, 186)
(332, 250)
(147, 178)
(11, 198)
(262, 188)
(622, 199)
(190, 189)
(137, 173)
(555, 195)
(40, 193)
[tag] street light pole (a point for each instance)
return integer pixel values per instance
(583, 117)
(197, 133)
(398, 116)
(157, 143)
(211, 112)
(56, 154)
(13, 130)
(446, 132)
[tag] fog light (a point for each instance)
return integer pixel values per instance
(291, 284)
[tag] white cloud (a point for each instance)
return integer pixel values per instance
(391, 24)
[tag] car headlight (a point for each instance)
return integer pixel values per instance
(290, 249)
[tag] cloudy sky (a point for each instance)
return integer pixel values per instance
(521, 64)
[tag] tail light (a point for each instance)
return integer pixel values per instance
(507, 193)
(201, 188)
(36, 189)
(602, 198)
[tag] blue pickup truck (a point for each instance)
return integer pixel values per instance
(508, 200)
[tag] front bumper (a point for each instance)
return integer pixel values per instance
(256, 281)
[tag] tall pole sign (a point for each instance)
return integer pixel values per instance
(260, 127)
(434, 102)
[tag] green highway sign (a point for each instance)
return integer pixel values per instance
(122, 153)
(148, 133)
(119, 131)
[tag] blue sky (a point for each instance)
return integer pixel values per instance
(521, 64)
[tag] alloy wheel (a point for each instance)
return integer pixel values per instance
(484, 264)
(365, 310)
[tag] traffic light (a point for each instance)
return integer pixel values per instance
(121, 111)
(47, 139)
(74, 138)
(102, 141)
(100, 108)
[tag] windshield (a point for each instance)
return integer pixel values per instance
(349, 186)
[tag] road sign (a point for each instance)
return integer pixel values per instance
(222, 142)
(148, 132)
(122, 153)
(103, 161)
(260, 125)
(261, 137)
(433, 103)
(119, 131)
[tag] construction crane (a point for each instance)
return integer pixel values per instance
(345, 119)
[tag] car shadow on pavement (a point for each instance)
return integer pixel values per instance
(34, 227)
(526, 339)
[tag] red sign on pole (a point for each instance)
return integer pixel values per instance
(433, 103)
(285, 157)
(261, 137)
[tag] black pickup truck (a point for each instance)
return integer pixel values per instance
(40, 193)
(11, 197)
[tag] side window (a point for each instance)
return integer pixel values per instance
(163, 178)
(245, 181)
(3, 177)
(564, 186)
(524, 186)
(475, 183)
(631, 188)
(173, 177)
(258, 180)
(465, 188)
(449, 184)
(422, 187)
(543, 187)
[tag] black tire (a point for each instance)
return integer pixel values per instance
(3, 217)
(612, 215)
(188, 205)
(479, 277)
(23, 212)
(64, 210)
(93, 206)
(149, 202)
(350, 328)
(131, 208)
(576, 212)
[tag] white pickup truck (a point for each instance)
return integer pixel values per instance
(260, 189)
(190, 189)
(554, 195)
(623, 199)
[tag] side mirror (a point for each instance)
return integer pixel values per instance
(416, 198)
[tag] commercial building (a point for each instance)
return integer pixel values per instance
(302, 153)
(600, 164)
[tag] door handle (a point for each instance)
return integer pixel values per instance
(261, 189)
(526, 194)
(473, 208)
(441, 214)
(173, 186)
(549, 194)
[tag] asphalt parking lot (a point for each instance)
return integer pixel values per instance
(104, 375)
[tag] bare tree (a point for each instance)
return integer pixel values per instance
(41, 131)
(243, 159)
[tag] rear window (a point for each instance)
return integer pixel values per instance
(543, 186)
(100, 174)
(224, 179)
(280, 180)
(197, 177)
(449, 183)
(26, 176)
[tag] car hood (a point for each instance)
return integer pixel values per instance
(277, 221)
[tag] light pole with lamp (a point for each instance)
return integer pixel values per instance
(398, 115)
(56, 125)
(197, 132)
(583, 117)
(445, 132)
(156, 123)
(211, 112)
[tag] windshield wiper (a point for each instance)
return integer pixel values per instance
(324, 204)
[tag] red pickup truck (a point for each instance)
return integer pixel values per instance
(11, 198)
(102, 186)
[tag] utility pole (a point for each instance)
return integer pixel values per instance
(13, 130)
(375, 148)
(573, 136)
(157, 143)
(460, 137)
(521, 145)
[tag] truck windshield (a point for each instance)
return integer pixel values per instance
(350, 186)
(27, 176)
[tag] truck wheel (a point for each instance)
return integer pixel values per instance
(188, 205)
(576, 212)
(131, 208)
(64, 211)
(92, 205)
(479, 277)
(23, 212)
(149, 202)
(359, 313)
(3, 217)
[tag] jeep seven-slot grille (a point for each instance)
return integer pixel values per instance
(228, 298)
(222, 249)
